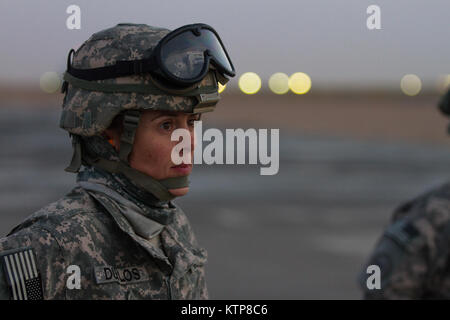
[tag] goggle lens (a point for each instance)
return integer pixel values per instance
(184, 56)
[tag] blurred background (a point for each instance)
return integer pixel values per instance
(356, 107)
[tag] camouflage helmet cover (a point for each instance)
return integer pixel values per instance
(444, 103)
(88, 113)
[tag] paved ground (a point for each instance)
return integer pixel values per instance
(303, 233)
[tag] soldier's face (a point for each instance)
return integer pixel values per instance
(152, 146)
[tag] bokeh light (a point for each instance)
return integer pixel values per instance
(279, 83)
(221, 87)
(411, 84)
(50, 82)
(250, 83)
(444, 83)
(299, 83)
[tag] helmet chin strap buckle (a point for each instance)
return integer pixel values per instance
(76, 161)
(207, 102)
(130, 124)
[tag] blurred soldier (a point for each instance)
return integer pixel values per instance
(118, 234)
(414, 252)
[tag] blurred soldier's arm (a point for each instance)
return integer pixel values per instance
(413, 250)
(203, 295)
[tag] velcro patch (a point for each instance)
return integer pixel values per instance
(22, 275)
(107, 274)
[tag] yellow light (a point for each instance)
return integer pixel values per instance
(444, 83)
(50, 82)
(221, 87)
(279, 83)
(410, 84)
(300, 83)
(250, 83)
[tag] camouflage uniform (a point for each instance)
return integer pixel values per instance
(127, 242)
(93, 227)
(414, 252)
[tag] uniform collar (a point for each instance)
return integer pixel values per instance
(148, 204)
(179, 250)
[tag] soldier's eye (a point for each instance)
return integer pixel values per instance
(193, 119)
(166, 125)
(191, 122)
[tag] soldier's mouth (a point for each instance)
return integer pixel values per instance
(183, 168)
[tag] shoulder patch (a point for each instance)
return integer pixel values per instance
(21, 274)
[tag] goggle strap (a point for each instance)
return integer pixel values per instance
(131, 88)
(119, 69)
(111, 87)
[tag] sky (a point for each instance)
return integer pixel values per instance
(327, 39)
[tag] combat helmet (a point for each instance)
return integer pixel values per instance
(133, 67)
(444, 103)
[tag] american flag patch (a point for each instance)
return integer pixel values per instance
(22, 275)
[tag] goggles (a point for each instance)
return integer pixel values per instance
(181, 59)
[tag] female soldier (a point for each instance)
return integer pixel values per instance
(118, 235)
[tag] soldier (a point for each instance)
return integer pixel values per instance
(414, 252)
(126, 90)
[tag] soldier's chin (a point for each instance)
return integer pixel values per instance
(179, 192)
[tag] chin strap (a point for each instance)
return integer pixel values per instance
(159, 188)
(76, 161)
(130, 124)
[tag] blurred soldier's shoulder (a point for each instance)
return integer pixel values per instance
(432, 205)
(412, 254)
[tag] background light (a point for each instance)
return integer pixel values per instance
(250, 83)
(50, 82)
(279, 83)
(221, 87)
(411, 84)
(444, 83)
(300, 83)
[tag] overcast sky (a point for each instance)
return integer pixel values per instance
(327, 39)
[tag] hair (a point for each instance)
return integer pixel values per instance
(117, 124)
